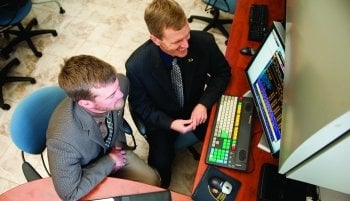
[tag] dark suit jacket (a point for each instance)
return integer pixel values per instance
(151, 94)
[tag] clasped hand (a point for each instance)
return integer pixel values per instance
(198, 116)
(118, 155)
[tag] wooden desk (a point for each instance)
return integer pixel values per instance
(238, 86)
(43, 190)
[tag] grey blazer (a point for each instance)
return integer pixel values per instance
(76, 150)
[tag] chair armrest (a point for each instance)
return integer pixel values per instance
(126, 127)
(128, 130)
(138, 122)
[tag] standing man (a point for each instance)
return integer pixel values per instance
(174, 105)
(85, 140)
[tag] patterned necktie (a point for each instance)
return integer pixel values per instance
(110, 128)
(176, 80)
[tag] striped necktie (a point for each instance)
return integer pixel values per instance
(176, 80)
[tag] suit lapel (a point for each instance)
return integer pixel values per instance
(160, 74)
(89, 125)
(186, 65)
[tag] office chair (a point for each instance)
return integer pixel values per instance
(4, 78)
(29, 123)
(12, 12)
(214, 7)
(142, 130)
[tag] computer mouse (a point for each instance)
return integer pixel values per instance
(220, 184)
(247, 51)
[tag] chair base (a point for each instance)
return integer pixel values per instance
(24, 34)
(5, 79)
(214, 22)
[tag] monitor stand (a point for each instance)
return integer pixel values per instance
(248, 94)
(263, 144)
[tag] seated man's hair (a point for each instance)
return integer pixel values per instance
(81, 73)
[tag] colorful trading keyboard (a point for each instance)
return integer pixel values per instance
(230, 137)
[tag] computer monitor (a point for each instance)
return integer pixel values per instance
(265, 75)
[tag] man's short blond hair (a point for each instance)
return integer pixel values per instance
(163, 14)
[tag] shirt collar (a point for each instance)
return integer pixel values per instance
(166, 58)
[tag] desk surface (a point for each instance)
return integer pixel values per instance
(43, 190)
(238, 86)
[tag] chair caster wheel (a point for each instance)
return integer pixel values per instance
(5, 106)
(38, 54)
(62, 11)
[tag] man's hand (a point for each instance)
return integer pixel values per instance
(199, 115)
(182, 126)
(119, 157)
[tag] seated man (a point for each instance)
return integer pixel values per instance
(174, 104)
(85, 140)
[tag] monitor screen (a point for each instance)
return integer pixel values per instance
(265, 75)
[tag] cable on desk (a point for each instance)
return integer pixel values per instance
(58, 3)
(253, 161)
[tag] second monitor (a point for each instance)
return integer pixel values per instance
(265, 75)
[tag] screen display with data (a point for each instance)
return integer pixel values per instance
(265, 76)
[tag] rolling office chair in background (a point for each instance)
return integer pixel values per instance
(182, 141)
(29, 124)
(4, 78)
(214, 7)
(12, 12)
